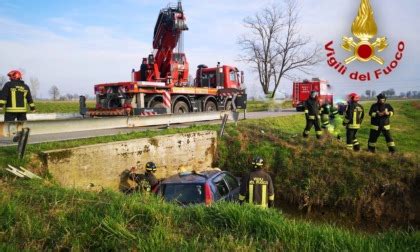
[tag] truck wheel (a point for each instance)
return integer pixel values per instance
(157, 104)
(210, 106)
(181, 108)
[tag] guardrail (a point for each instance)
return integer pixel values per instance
(40, 127)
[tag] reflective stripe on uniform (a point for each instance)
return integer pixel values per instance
(306, 111)
(372, 144)
(271, 197)
(350, 146)
(374, 114)
(2, 102)
(318, 133)
(251, 193)
(387, 127)
(241, 197)
(311, 117)
(354, 126)
(374, 127)
(391, 144)
(391, 114)
(306, 132)
(13, 91)
(32, 105)
(16, 110)
(25, 102)
(264, 195)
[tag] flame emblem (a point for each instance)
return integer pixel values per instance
(364, 28)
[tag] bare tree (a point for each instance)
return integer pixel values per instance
(54, 92)
(34, 82)
(3, 81)
(69, 96)
(368, 93)
(373, 93)
(274, 46)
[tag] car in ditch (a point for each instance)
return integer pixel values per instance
(200, 187)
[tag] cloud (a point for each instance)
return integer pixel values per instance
(93, 55)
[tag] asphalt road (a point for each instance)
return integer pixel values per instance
(95, 133)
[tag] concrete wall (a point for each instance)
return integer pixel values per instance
(102, 164)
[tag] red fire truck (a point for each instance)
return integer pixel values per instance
(302, 89)
(161, 84)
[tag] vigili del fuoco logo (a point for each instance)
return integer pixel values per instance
(365, 46)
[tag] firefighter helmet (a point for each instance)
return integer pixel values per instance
(150, 166)
(15, 75)
(314, 94)
(381, 96)
(258, 162)
(354, 97)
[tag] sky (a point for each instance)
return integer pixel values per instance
(77, 44)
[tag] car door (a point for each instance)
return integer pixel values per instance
(233, 184)
(222, 189)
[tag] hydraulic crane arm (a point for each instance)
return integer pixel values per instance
(169, 26)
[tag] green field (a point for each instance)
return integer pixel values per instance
(59, 106)
(73, 106)
(315, 177)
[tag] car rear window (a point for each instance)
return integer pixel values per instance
(184, 193)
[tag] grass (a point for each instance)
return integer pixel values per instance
(322, 175)
(315, 176)
(73, 106)
(59, 106)
(43, 216)
(269, 104)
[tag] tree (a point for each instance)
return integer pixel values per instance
(408, 94)
(402, 94)
(368, 93)
(274, 47)
(34, 82)
(54, 92)
(3, 81)
(373, 93)
(69, 96)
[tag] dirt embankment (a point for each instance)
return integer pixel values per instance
(320, 177)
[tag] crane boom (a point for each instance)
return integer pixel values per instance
(170, 24)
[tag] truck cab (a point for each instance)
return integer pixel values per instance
(219, 77)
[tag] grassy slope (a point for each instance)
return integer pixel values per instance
(378, 188)
(40, 216)
(304, 177)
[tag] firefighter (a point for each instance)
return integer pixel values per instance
(380, 113)
(312, 115)
(257, 186)
(146, 182)
(335, 123)
(325, 115)
(143, 70)
(352, 120)
(15, 95)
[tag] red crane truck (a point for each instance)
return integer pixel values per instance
(161, 84)
(302, 89)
